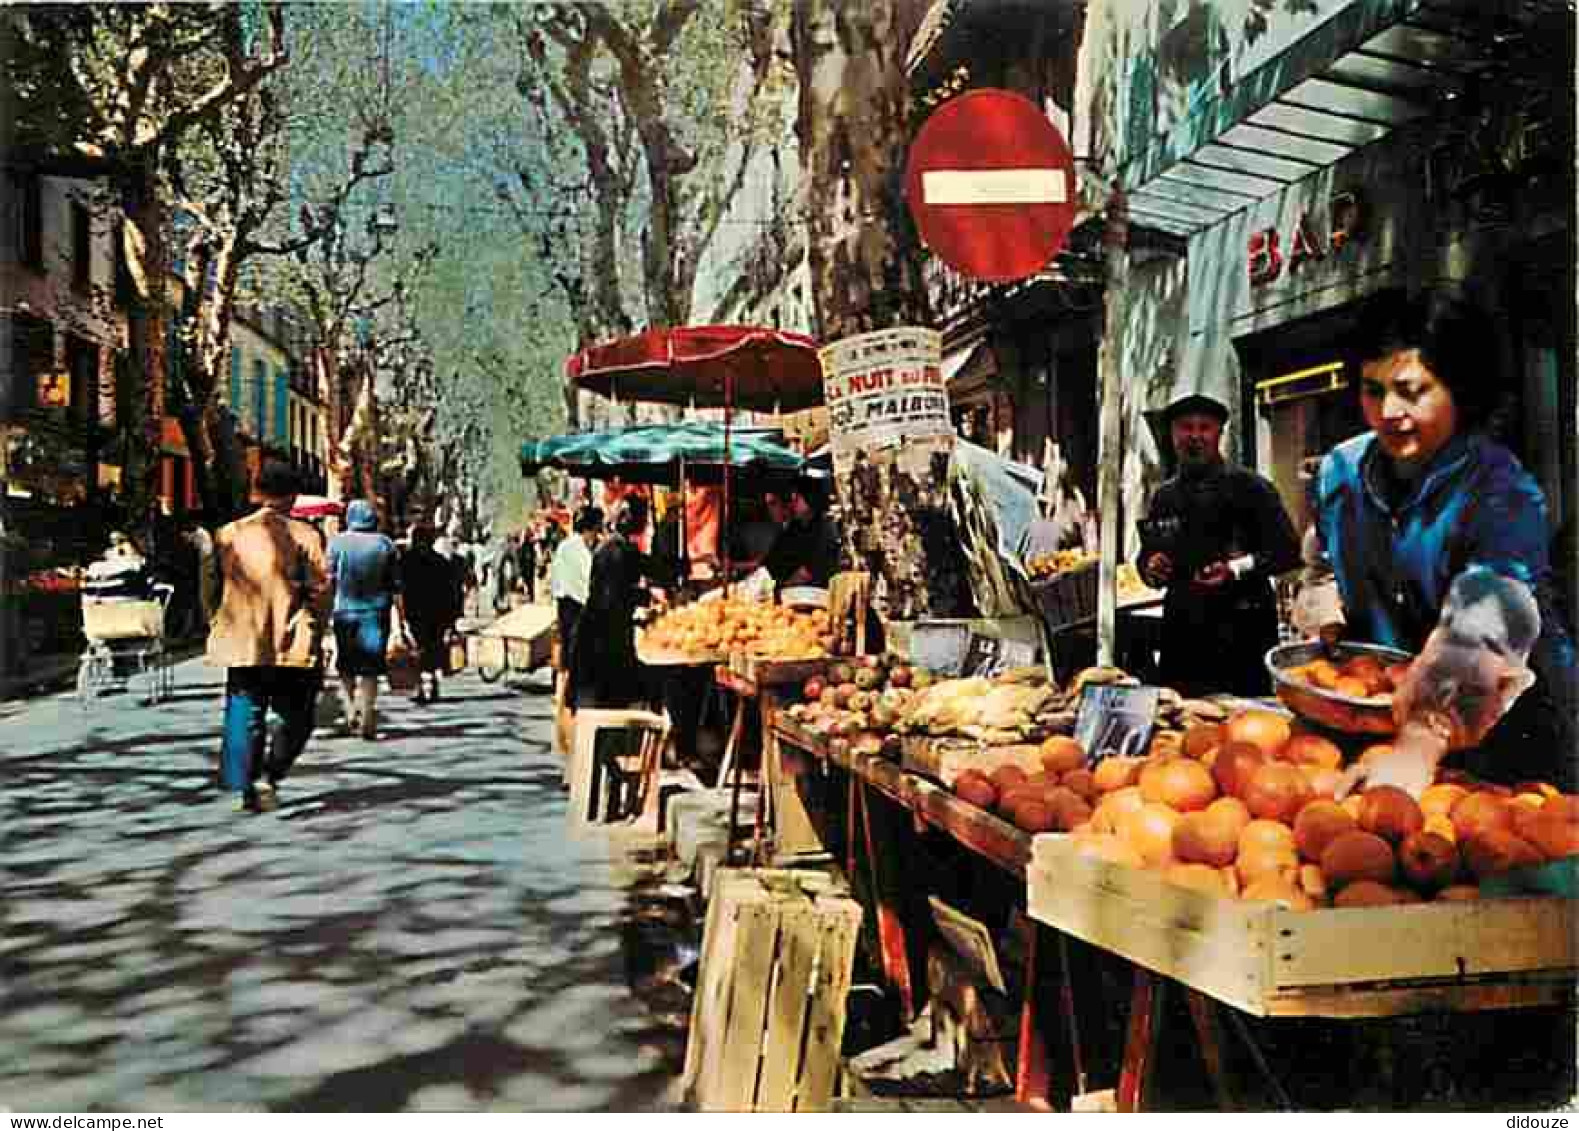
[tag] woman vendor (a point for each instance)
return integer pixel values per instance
(1438, 541)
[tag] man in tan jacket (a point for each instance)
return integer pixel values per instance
(268, 634)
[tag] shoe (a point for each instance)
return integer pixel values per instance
(268, 797)
(247, 801)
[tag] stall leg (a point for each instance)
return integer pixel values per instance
(733, 761)
(1035, 1078)
(877, 829)
(1208, 1035)
(1071, 1016)
(1140, 1046)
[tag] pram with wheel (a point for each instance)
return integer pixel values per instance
(123, 621)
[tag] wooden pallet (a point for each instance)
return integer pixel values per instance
(1352, 962)
(767, 1021)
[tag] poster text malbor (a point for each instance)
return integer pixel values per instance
(883, 389)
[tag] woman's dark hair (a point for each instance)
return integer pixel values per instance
(1457, 340)
(632, 516)
(590, 518)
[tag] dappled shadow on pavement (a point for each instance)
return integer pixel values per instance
(413, 929)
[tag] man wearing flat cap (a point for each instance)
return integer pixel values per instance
(1214, 536)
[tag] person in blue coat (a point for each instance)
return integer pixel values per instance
(1439, 543)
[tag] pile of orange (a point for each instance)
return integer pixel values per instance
(1246, 809)
(756, 628)
(1359, 677)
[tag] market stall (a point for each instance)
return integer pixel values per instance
(1458, 902)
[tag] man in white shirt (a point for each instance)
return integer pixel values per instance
(570, 575)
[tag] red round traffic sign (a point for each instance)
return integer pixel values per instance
(991, 185)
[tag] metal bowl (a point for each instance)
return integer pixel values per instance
(1345, 713)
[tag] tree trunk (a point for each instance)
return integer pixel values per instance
(854, 125)
(146, 321)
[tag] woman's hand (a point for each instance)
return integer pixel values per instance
(1156, 569)
(1409, 762)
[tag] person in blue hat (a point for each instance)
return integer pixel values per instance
(1214, 536)
(364, 571)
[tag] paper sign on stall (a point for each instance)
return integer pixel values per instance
(1116, 721)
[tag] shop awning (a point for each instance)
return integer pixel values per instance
(1373, 66)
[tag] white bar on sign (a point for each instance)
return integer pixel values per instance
(994, 186)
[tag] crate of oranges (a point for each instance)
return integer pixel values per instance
(1229, 864)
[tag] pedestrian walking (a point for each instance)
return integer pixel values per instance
(267, 633)
(526, 565)
(502, 575)
(430, 602)
(364, 571)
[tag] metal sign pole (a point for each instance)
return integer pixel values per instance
(1115, 242)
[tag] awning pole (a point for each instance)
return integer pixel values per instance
(1115, 242)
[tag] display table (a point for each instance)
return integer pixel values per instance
(1270, 962)
(885, 808)
(767, 682)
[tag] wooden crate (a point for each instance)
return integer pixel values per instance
(768, 1017)
(944, 759)
(764, 671)
(1352, 962)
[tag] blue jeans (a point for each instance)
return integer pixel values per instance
(249, 695)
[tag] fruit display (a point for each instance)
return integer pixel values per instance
(1246, 808)
(755, 628)
(859, 702)
(1043, 566)
(1358, 677)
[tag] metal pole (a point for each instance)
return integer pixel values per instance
(1115, 241)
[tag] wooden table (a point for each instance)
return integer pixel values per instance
(1261, 959)
(879, 797)
(767, 683)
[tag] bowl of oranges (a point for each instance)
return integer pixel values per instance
(1347, 687)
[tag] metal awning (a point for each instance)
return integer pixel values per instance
(1373, 66)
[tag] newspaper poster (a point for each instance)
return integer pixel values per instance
(891, 440)
(885, 394)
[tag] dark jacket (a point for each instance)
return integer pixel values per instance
(1215, 639)
(604, 671)
(812, 543)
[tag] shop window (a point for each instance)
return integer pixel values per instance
(81, 248)
(260, 395)
(82, 362)
(32, 342)
(1307, 413)
(124, 288)
(30, 221)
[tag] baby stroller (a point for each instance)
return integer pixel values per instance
(123, 615)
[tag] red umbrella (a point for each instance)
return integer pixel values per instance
(754, 367)
(751, 367)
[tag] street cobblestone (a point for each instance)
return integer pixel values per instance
(413, 928)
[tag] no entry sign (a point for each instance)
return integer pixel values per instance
(991, 185)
